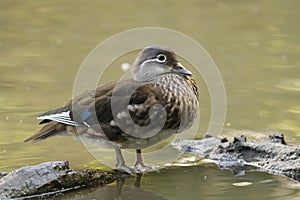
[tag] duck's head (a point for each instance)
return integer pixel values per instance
(153, 61)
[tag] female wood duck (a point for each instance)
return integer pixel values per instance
(126, 113)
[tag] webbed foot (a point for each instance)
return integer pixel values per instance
(140, 168)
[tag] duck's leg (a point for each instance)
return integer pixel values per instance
(139, 166)
(139, 158)
(120, 161)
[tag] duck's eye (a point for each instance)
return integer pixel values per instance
(161, 58)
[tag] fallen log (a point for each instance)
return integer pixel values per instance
(271, 155)
(49, 178)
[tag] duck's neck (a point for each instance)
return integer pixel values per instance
(172, 81)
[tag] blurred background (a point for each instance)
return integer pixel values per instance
(255, 44)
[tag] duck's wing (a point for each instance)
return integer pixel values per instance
(93, 109)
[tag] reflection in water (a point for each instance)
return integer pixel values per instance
(121, 191)
(131, 191)
(189, 183)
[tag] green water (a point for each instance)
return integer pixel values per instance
(255, 44)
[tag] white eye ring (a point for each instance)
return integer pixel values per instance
(161, 58)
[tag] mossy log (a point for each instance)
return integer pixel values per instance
(49, 177)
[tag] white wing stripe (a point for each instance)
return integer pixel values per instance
(63, 117)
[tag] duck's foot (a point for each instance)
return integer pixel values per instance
(140, 168)
(124, 169)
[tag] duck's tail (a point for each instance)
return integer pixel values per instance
(50, 129)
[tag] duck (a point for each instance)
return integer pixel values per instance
(160, 100)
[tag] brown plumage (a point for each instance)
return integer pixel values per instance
(158, 79)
